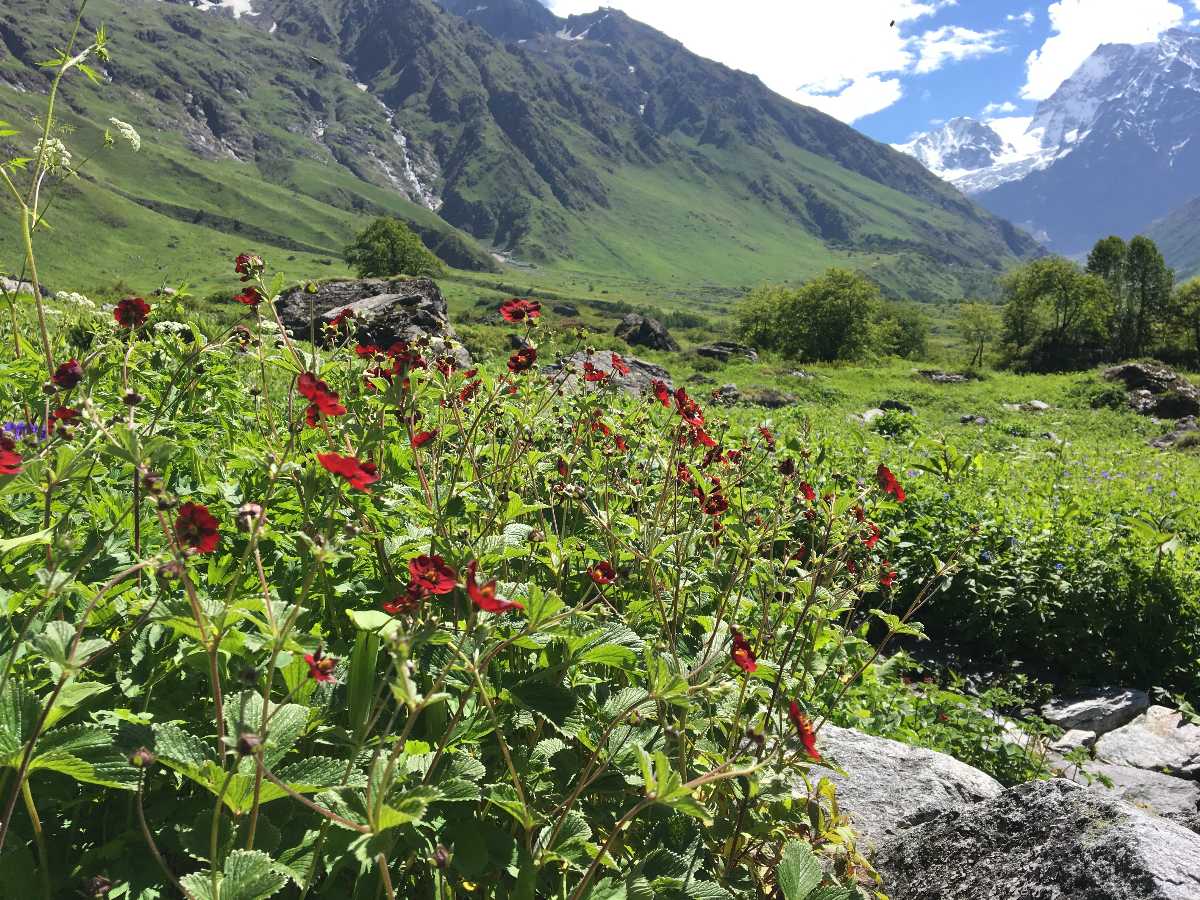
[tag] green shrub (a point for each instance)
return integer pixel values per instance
(389, 247)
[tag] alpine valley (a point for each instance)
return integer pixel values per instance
(1112, 151)
(594, 146)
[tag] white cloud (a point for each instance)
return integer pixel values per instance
(842, 57)
(1026, 18)
(993, 109)
(1080, 26)
(953, 44)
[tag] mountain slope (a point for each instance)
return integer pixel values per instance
(1178, 237)
(1109, 152)
(593, 144)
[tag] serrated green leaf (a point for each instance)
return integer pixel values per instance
(27, 540)
(799, 871)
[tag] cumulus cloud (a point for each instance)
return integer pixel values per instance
(843, 57)
(1026, 18)
(993, 109)
(1079, 26)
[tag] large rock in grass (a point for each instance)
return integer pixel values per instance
(642, 331)
(1157, 390)
(889, 782)
(385, 310)
(1046, 840)
(724, 351)
(1100, 710)
(568, 372)
(1160, 739)
(1153, 792)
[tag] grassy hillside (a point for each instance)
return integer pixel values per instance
(1178, 236)
(295, 126)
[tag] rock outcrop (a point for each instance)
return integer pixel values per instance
(1099, 711)
(1185, 433)
(642, 331)
(383, 311)
(889, 783)
(569, 372)
(1046, 840)
(1157, 390)
(1160, 739)
(724, 351)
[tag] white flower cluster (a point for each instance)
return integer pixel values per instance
(272, 326)
(128, 132)
(52, 155)
(74, 299)
(172, 327)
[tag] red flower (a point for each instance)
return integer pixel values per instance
(716, 504)
(601, 427)
(603, 573)
(522, 360)
(767, 437)
(684, 474)
(197, 528)
(249, 297)
(620, 442)
(662, 392)
(407, 603)
(873, 538)
(320, 666)
(807, 490)
(10, 462)
(131, 312)
(431, 575)
(517, 310)
(67, 375)
(787, 468)
(422, 438)
(469, 390)
(804, 728)
(366, 349)
(888, 578)
(63, 416)
(341, 318)
(484, 595)
(591, 373)
(322, 400)
(689, 410)
(248, 265)
(889, 484)
(359, 474)
(741, 654)
(619, 365)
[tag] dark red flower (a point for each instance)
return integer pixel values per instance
(689, 410)
(248, 265)
(518, 310)
(873, 537)
(366, 349)
(620, 442)
(591, 373)
(662, 392)
(564, 470)
(768, 438)
(787, 467)
(341, 318)
(522, 360)
(619, 365)
(889, 484)
(601, 427)
(197, 528)
(320, 666)
(484, 595)
(888, 576)
(807, 490)
(741, 654)
(359, 474)
(249, 297)
(68, 374)
(63, 416)
(715, 504)
(322, 400)
(10, 462)
(131, 312)
(603, 573)
(404, 357)
(407, 603)
(422, 438)
(469, 390)
(804, 728)
(684, 474)
(431, 575)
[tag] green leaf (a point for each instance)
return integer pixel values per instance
(799, 871)
(505, 797)
(84, 753)
(608, 889)
(248, 875)
(896, 626)
(38, 537)
(19, 711)
(407, 808)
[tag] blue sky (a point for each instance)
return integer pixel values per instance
(943, 58)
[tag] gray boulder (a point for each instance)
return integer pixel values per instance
(568, 372)
(1100, 711)
(897, 406)
(1157, 390)
(1163, 795)
(642, 331)
(973, 419)
(724, 351)
(888, 781)
(769, 398)
(565, 309)
(937, 376)
(1186, 431)
(385, 310)
(1046, 840)
(727, 395)
(1159, 739)
(12, 286)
